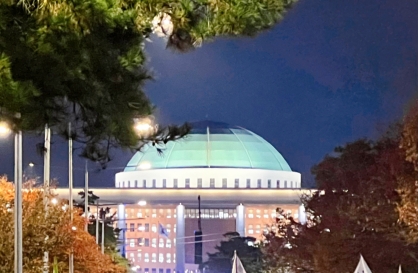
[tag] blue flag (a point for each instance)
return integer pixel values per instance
(162, 230)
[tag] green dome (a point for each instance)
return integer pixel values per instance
(212, 145)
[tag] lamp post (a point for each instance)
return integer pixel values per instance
(18, 234)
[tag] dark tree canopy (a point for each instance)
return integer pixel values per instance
(248, 253)
(354, 211)
(83, 61)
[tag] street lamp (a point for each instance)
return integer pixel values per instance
(4, 130)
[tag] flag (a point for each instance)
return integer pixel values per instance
(400, 269)
(162, 230)
(362, 266)
(237, 266)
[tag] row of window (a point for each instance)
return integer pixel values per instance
(146, 227)
(145, 242)
(187, 183)
(146, 257)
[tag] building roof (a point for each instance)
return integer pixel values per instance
(212, 145)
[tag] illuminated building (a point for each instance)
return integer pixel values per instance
(241, 180)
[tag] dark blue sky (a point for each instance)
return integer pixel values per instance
(331, 72)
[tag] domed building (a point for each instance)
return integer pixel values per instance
(220, 178)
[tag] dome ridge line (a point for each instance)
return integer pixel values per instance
(245, 148)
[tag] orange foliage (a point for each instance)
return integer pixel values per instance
(48, 230)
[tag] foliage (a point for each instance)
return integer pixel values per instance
(62, 236)
(353, 212)
(408, 188)
(83, 61)
(221, 261)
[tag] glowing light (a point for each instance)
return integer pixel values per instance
(142, 203)
(145, 166)
(31, 164)
(4, 128)
(54, 201)
(74, 228)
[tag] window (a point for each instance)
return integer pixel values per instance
(175, 183)
(132, 242)
(168, 271)
(187, 183)
(161, 242)
(169, 213)
(168, 228)
(161, 258)
(161, 270)
(164, 183)
(140, 227)
(139, 257)
(199, 182)
(168, 243)
(146, 259)
(140, 241)
(146, 227)
(154, 213)
(250, 229)
(258, 213)
(154, 183)
(236, 183)
(291, 184)
(146, 269)
(168, 258)
(248, 183)
(139, 214)
(250, 213)
(154, 259)
(154, 270)
(224, 183)
(269, 184)
(174, 227)
(285, 184)
(146, 242)
(259, 183)
(212, 182)
(136, 183)
(154, 242)
(154, 228)
(144, 185)
(257, 229)
(132, 227)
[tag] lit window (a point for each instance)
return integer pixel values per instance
(132, 242)
(161, 242)
(258, 213)
(154, 258)
(139, 214)
(168, 258)
(257, 229)
(168, 243)
(161, 258)
(250, 213)
(154, 242)
(140, 242)
(168, 228)
(146, 259)
(146, 228)
(140, 227)
(154, 228)
(174, 241)
(169, 213)
(132, 227)
(139, 256)
(174, 228)
(250, 229)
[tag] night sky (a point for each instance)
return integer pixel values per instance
(331, 72)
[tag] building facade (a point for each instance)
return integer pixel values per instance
(239, 177)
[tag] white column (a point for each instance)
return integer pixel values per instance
(121, 226)
(240, 220)
(180, 234)
(302, 214)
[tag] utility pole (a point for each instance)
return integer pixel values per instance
(18, 253)
(47, 173)
(70, 188)
(86, 198)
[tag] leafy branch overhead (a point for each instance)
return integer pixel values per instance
(83, 61)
